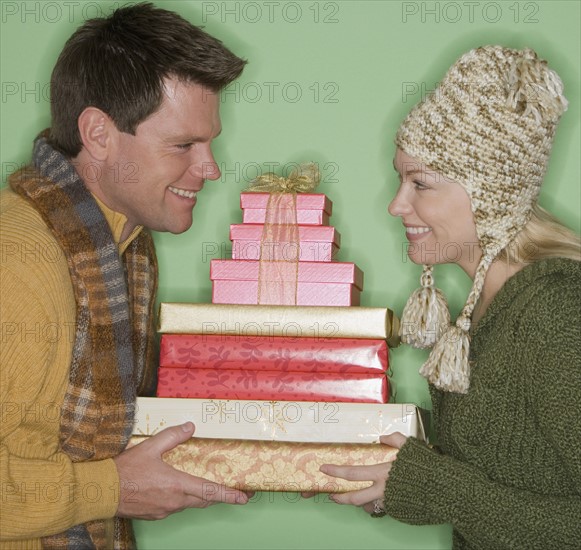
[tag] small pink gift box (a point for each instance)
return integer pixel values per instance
(318, 283)
(316, 244)
(311, 208)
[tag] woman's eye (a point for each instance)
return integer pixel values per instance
(419, 185)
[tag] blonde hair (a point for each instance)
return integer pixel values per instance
(544, 236)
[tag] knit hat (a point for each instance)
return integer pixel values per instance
(489, 126)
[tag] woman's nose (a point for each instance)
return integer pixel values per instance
(399, 205)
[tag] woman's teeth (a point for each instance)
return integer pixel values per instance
(417, 230)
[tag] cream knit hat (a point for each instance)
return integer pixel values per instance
(489, 126)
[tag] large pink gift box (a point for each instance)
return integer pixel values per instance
(318, 283)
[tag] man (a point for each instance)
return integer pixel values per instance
(135, 107)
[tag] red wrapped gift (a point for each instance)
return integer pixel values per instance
(311, 208)
(269, 385)
(346, 355)
(316, 244)
(318, 283)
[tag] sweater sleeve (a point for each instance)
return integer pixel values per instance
(42, 491)
(426, 487)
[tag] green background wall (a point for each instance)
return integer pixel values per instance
(328, 82)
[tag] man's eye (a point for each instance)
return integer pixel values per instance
(184, 146)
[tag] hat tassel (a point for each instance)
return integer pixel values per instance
(426, 315)
(447, 367)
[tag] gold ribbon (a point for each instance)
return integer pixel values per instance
(280, 243)
(303, 179)
(278, 270)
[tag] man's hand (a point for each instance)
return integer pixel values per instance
(151, 489)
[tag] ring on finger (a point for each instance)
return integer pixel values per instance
(378, 508)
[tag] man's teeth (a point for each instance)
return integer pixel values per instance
(417, 230)
(182, 192)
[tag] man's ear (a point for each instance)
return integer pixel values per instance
(97, 132)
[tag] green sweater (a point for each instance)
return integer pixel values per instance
(507, 471)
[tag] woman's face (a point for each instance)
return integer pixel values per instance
(436, 214)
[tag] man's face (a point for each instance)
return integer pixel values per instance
(156, 174)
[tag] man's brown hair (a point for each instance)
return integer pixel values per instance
(118, 64)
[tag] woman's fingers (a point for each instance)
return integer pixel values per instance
(396, 440)
(359, 498)
(357, 473)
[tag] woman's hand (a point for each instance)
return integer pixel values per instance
(370, 498)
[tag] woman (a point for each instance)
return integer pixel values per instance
(505, 379)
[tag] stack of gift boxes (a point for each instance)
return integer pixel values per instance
(280, 373)
(294, 366)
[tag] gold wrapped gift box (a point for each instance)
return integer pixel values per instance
(273, 465)
(291, 322)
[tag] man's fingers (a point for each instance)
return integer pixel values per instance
(169, 438)
(211, 492)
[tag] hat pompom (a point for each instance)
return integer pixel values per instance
(534, 89)
(447, 367)
(426, 315)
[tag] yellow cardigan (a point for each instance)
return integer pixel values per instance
(42, 491)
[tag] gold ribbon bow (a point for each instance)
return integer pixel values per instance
(303, 179)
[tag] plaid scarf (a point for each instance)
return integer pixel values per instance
(112, 359)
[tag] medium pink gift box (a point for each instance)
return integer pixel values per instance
(318, 283)
(317, 243)
(311, 208)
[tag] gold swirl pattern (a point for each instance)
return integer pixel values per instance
(273, 465)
